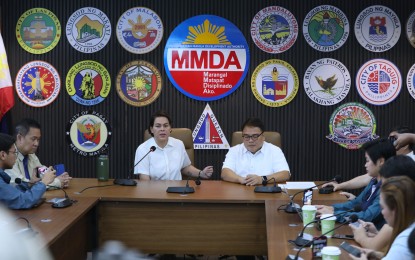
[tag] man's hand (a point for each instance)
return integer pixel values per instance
(321, 209)
(348, 195)
(49, 176)
(64, 179)
(252, 179)
(207, 172)
(335, 185)
(403, 139)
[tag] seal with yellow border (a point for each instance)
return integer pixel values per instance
(38, 30)
(139, 83)
(274, 83)
(88, 83)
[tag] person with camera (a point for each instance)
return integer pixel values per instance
(27, 135)
(20, 196)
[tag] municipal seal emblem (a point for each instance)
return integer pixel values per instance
(274, 83)
(139, 30)
(326, 28)
(139, 83)
(377, 28)
(352, 125)
(378, 81)
(38, 30)
(206, 57)
(327, 81)
(37, 83)
(88, 133)
(274, 29)
(410, 81)
(88, 30)
(88, 83)
(410, 29)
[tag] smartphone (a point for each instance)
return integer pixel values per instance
(308, 197)
(350, 249)
(317, 245)
(341, 236)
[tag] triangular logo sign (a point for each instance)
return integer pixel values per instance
(207, 133)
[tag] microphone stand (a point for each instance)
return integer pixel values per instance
(295, 208)
(183, 190)
(268, 189)
(129, 181)
(62, 203)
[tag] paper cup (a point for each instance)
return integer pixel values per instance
(327, 224)
(309, 213)
(330, 253)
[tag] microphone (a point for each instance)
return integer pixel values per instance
(300, 241)
(183, 190)
(295, 208)
(353, 218)
(62, 202)
(268, 189)
(129, 181)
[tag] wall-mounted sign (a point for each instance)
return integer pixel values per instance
(274, 83)
(410, 29)
(274, 29)
(326, 28)
(88, 133)
(88, 30)
(378, 81)
(139, 30)
(38, 83)
(327, 81)
(377, 28)
(88, 83)
(208, 134)
(139, 83)
(352, 125)
(410, 81)
(206, 57)
(38, 30)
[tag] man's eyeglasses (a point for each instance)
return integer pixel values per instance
(253, 137)
(15, 152)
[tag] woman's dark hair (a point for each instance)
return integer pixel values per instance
(159, 113)
(379, 148)
(399, 165)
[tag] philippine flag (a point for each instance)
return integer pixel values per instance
(6, 87)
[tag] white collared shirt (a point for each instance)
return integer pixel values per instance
(269, 159)
(164, 163)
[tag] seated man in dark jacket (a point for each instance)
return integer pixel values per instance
(16, 197)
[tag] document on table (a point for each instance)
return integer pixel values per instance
(297, 185)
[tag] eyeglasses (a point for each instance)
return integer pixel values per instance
(15, 152)
(253, 137)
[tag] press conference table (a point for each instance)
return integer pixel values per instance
(220, 218)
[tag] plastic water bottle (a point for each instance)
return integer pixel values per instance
(102, 167)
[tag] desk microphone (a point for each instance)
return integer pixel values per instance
(294, 208)
(61, 203)
(183, 190)
(300, 241)
(129, 181)
(268, 189)
(353, 218)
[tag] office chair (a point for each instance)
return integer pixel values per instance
(183, 134)
(271, 137)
